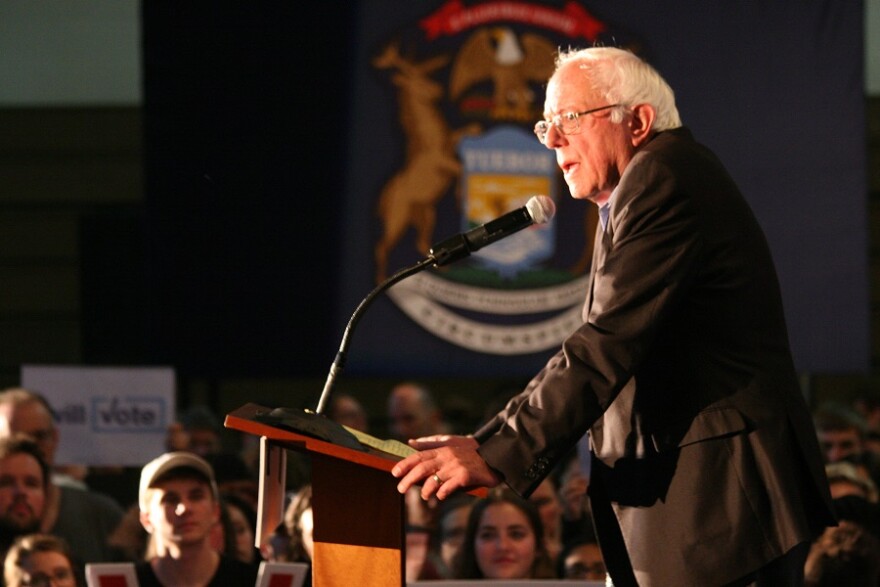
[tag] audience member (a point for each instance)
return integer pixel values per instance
(849, 479)
(130, 540)
(546, 501)
(234, 477)
(179, 506)
(243, 526)
(413, 413)
(203, 431)
(867, 404)
(503, 540)
(346, 410)
(41, 560)
(421, 523)
(299, 525)
(452, 517)
(24, 477)
(26, 412)
(841, 432)
(292, 540)
(845, 555)
(582, 559)
(574, 482)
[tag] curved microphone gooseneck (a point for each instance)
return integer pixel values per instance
(538, 210)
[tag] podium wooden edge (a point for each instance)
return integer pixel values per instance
(242, 420)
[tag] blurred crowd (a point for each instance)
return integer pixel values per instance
(193, 508)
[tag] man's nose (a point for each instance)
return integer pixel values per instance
(504, 543)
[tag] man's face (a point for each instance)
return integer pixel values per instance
(181, 511)
(348, 412)
(409, 418)
(585, 562)
(34, 420)
(22, 493)
(838, 445)
(593, 158)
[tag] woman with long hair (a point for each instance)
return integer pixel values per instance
(503, 540)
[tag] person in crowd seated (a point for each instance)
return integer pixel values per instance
(867, 404)
(841, 432)
(26, 412)
(235, 477)
(41, 560)
(130, 540)
(849, 479)
(843, 555)
(346, 410)
(197, 429)
(581, 559)
(452, 517)
(413, 412)
(299, 524)
(243, 527)
(292, 540)
(420, 525)
(503, 540)
(573, 484)
(546, 501)
(179, 506)
(24, 477)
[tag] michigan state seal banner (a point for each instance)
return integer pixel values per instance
(445, 95)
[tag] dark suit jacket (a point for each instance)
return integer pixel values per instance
(706, 463)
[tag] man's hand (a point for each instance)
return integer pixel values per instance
(444, 464)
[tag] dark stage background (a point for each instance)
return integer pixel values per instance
(268, 135)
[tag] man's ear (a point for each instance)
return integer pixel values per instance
(145, 521)
(640, 122)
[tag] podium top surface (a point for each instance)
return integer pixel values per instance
(247, 419)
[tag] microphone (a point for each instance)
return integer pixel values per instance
(538, 210)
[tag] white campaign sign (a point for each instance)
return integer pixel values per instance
(106, 415)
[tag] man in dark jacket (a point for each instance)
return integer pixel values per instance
(706, 466)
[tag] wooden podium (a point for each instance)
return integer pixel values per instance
(358, 513)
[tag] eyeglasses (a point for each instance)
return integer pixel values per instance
(567, 123)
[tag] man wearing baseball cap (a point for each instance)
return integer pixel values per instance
(179, 505)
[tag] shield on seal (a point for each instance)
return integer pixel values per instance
(501, 170)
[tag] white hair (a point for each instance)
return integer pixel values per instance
(623, 78)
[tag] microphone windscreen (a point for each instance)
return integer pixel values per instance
(541, 209)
